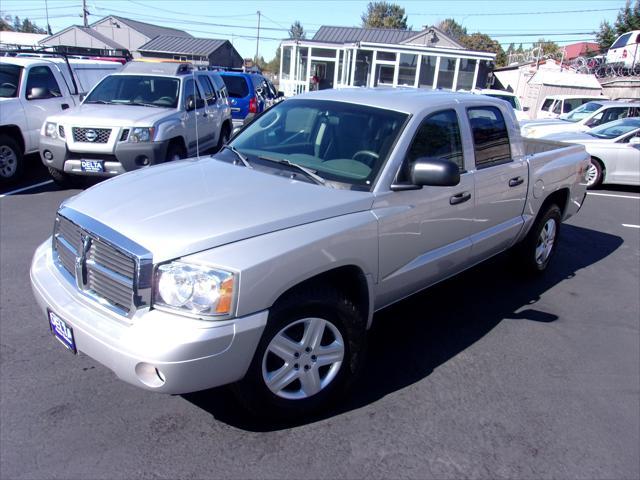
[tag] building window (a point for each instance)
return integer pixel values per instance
(386, 56)
(407, 71)
(384, 75)
(446, 72)
(303, 58)
(427, 71)
(286, 62)
(484, 68)
(363, 68)
(323, 52)
(465, 74)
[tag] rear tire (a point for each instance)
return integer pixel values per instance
(595, 174)
(539, 246)
(65, 180)
(11, 159)
(305, 375)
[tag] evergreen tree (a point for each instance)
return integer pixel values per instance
(296, 32)
(628, 19)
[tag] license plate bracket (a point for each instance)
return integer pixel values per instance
(92, 166)
(62, 332)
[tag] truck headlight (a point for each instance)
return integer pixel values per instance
(196, 290)
(141, 134)
(51, 129)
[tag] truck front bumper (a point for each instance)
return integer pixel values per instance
(154, 350)
(126, 157)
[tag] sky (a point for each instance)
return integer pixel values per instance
(517, 21)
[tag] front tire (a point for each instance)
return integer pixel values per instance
(539, 246)
(309, 353)
(175, 152)
(225, 133)
(11, 159)
(594, 174)
(65, 180)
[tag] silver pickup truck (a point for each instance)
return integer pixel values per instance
(263, 265)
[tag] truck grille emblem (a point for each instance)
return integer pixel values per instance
(91, 135)
(81, 263)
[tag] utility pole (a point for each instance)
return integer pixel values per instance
(258, 38)
(46, 9)
(85, 13)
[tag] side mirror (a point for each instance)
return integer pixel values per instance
(634, 141)
(525, 109)
(436, 172)
(82, 96)
(280, 95)
(191, 103)
(39, 93)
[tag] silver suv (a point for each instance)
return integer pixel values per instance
(146, 114)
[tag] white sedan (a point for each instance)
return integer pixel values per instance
(614, 148)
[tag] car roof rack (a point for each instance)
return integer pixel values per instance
(165, 68)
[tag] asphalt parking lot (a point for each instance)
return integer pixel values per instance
(488, 375)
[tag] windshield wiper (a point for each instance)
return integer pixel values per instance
(242, 158)
(143, 104)
(102, 102)
(310, 173)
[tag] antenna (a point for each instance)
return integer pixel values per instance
(195, 111)
(258, 37)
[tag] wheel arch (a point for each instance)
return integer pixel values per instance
(14, 132)
(560, 197)
(348, 279)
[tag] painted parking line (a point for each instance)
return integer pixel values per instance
(613, 195)
(12, 192)
(630, 226)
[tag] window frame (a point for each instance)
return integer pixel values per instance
(492, 163)
(463, 169)
(210, 100)
(52, 76)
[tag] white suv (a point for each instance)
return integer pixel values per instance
(148, 113)
(625, 51)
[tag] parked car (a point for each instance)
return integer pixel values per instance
(582, 118)
(249, 95)
(615, 151)
(555, 105)
(625, 51)
(509, 97)
(32, 89)
(147, 114)
(264, 264)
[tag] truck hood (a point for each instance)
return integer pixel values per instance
(192, 205)
(96, 115)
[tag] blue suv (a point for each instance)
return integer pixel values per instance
(249, 95)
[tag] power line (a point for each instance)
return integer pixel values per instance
(516, 13)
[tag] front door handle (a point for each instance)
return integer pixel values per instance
(514, 182)
(64, 106)
(459, 198)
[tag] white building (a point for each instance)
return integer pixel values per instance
(353, 57)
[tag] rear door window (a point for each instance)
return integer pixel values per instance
(490, 137)
(207, 89)
(622, 41)
(546, 106)
(236, 86)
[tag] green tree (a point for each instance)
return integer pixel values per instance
(384, 15)
(274, 63)
(29, 27)
(484, 43)
(628, 19)
(452, 29)
(548, 48)
(296, 32)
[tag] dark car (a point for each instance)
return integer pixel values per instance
(249, 94)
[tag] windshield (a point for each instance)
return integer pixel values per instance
(582, 112)
(340, 142)
(136, 90)
(9, 80)
(616, 128)
(507, 98)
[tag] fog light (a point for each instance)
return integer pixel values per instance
(150, 375)
(142, 160)
(47, 155)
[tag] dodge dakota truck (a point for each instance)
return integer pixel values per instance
(262, 266)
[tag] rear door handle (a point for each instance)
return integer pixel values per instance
(514, 182)
(64, 106)
(459, 198)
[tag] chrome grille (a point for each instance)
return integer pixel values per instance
(108, 274)
(91, 135)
